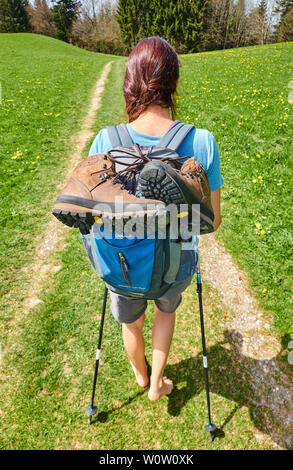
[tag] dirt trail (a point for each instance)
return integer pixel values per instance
(56, 232)
(256, 348)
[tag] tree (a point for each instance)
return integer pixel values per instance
(180, 22)
(63, 14)
(237, 24)
(283, 7)
(106, 34)
(217, 24)
(262, 21)
(41, 18)
(285, 32)
(14, 16)
(184, 24)
(97, 29)
(284, 26)
(128, 16)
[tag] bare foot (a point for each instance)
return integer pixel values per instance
(165, 388)
(141, 379)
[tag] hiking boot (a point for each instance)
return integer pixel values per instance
(189, 185)
(92, 191)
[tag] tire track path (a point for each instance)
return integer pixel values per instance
(251, 336)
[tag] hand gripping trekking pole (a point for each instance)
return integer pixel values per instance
(210, 427)
(91, 409)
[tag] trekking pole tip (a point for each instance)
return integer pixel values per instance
(210, 427)
(91, 411)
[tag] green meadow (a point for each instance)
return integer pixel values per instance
(48, 354)
(241, 96)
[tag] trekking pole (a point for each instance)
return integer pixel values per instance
(210, 427)
(91, 410)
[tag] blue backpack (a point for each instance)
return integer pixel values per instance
(134, 266)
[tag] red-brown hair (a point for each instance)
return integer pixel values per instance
(151, 76)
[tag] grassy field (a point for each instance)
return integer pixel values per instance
(241, 96)
(48, 355)
(46, 88)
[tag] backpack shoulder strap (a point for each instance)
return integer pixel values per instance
(175, 135)
(119, 136)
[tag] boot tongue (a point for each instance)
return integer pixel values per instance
(125, 157)
(191, 165)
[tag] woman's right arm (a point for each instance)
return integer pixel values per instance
(216, 204)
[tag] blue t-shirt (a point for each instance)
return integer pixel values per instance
(199, 143)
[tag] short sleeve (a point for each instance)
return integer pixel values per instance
(214, 171)
(101, 143)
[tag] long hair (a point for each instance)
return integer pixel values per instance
(151, 76)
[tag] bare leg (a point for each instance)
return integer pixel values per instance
(135, 348)
(163, 329)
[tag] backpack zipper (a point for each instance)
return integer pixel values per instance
(124, 266)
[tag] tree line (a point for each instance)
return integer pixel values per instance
(189, 25)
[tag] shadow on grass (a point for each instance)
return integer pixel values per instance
(248, 382)
(103, 416)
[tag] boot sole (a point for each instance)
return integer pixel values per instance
(74, 216)
(83, 217)
(158, 180)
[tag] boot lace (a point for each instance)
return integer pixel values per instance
(127, 176)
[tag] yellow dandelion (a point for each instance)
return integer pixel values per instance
(264, 291)
(258, 225)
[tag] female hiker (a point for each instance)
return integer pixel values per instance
(151, 79)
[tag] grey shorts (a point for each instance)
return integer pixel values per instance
(127, 309)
